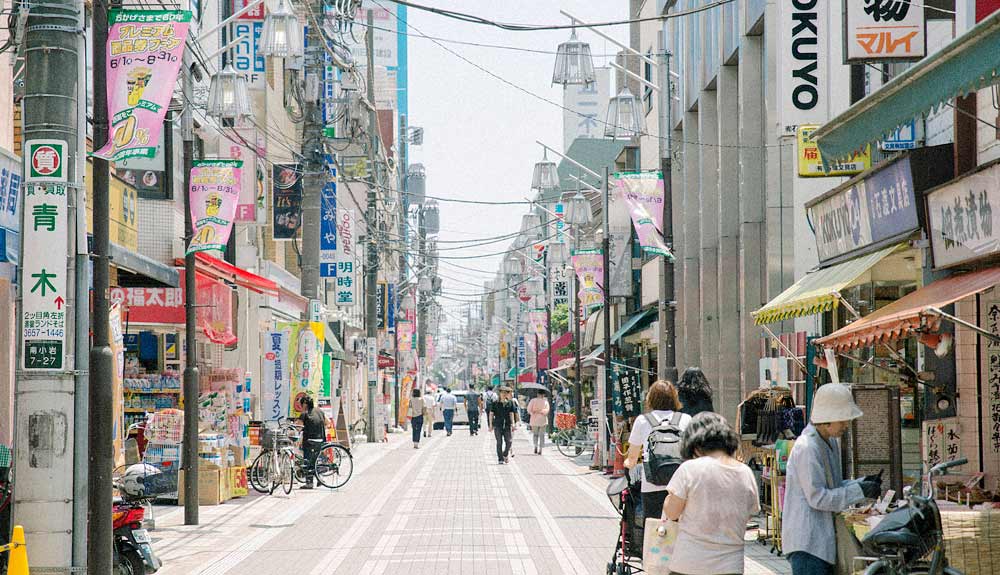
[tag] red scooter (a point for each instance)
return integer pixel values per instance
(133, 552)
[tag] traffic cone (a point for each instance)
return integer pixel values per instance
(17, 562)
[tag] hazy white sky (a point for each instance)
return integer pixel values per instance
(479, 133)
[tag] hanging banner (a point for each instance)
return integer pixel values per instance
(642, 192)
(589, 266)
(275, 404)
(328, 228)
(539, 324)
(391, 308)
(286, 203)
(215, 191)
(305, 348)
(144, 55)
(404, 336)
(347, 269)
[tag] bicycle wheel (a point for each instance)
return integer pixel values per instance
(333, 466)
(288, 471)
(569, 444)
(258, 474)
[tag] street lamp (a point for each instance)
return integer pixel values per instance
(531, 226)
(574, 64)
(511, 266)
(432, 218)
(281, 35)
(424, 284)
(557, 253)
(545, 175)
(228, 96)
(624, 116)
(578, 211)
(416, 179)
(535, 286)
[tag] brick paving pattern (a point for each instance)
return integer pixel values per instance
(444, 509)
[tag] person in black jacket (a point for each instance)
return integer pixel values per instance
(694, 392)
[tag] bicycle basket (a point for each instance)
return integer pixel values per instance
(272, 438)
(565, 421)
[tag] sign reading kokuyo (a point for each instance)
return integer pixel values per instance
(215, 191)
(144, 55)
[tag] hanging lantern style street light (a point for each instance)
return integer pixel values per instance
(511, 266)
(531, 226)
(432, 218)
(535, 286)
(546, 174)
(578, 210)
(425, 284)
(558, 253)
(228, 96)
(281, 35)
(574, 64)
(416, 180)
(625, 117)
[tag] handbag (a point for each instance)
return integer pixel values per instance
(848, 546)
(658, 549)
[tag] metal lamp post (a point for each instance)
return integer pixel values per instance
(578, 214)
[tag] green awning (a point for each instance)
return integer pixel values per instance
(969, 63)
(332, 344)
(817, 291)
(634, 323)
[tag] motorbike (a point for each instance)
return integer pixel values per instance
(133, 551)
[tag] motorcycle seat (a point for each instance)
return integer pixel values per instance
(896, 538)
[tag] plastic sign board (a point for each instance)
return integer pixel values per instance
(811, 163)
(46, 161)
(904, 138)
(328, 228)
(346, 293)
(372, 356)
(882, 30)
(43, 310)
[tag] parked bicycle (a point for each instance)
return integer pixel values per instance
(574, 441)
(280, 464)
(909, 541)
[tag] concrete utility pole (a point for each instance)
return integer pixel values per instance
(605, 433)
(101, 438)
(371, 219)
(313, 173)
(403, 204)
(189, 461)
(47, 396)
(666, 353)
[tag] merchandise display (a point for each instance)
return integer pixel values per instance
(148, 392)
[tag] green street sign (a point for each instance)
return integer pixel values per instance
(329, 131)
(43, 354)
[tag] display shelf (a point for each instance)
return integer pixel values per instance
(154, 391)
(139, 410)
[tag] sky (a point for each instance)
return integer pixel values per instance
(479, 133)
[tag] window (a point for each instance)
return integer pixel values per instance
(647, 74)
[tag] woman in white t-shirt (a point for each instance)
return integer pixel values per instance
(712, 496)
(662, 401)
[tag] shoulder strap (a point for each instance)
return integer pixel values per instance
(652, 419)
(676, 419)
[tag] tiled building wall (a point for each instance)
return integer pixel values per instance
(162, 227)
(967, 373)
(988, 301)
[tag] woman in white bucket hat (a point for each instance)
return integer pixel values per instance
(815, 488)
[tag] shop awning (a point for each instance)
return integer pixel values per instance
(970, 62)
(332, 343)
(141, 265)
(911, 312)
(816, 292)
(219, 269)
(634, 323)
(557, 344)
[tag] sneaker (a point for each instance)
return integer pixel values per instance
(307, 486)
(501, 462)
(507, 460)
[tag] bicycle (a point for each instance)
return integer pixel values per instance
(574, 441)
(281, 465)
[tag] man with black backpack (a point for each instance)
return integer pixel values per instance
(656, 436)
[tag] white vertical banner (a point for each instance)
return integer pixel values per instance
(803, 52)
(275, 390)
(347, 261)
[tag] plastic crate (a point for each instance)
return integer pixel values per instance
(565, 420)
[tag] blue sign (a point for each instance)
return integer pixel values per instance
(892, 207)
(391, 312)
(904, 138)
(328, 227)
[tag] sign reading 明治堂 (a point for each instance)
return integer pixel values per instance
(963, 224)
(877, 31)
(43, 310)
(863, 213)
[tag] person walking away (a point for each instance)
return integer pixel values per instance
(694, 391)
(489, 397)
(501, 420)
(814, 486)
(313, 434)
(473, 404)
(538, 410)
(415, 411)
(448, 403)
(712, 495)
(429, 406)
(663, 409)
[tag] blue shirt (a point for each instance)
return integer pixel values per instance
(448, 401)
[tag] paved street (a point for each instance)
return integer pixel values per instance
(445, 509)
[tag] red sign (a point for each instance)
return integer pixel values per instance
(246, 213)
(385, 361)
(522, 293)
(986, 7)
(255, 13)
(45, 160)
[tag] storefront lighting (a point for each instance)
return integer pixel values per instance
(281, 35)
(228, 96)
(574, 63)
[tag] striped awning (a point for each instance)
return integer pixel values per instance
(969, 63)
(912, 312)
(817, 291)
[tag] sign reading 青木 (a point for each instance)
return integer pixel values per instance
(43, 312)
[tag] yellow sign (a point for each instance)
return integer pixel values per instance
(811, 164)
(123, 203)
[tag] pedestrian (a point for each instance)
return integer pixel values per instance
(501, 419)
(712, 495)
(429, 407)
(415, 411)
(489, 397)
(538, 409)
(815, 489)
(694, 391)
(473, 404)
(448, 403)
(661, 404)
(313, 433)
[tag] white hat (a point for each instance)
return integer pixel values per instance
(834, 402)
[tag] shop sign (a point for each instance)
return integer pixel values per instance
(963, 224)
(328, 229)
(371, 355)
(10, 202)
(46, 161)
(904, 138)
(942, 441)
(522, 352)
(589, 267)
(881, 30)
(560, 286)
(214, 314)
(286, 203)
(381, 305)
(255, 13)
(386, 362)
(275, 389)
(803, 73)
(993, 383)
(863, 213)
(143, 58)
(627, 392)
(811, 162)
(305, 371)
(391, 307)
(43, 309)
(347, 272)
(246, 213)
(215, 191)
(247, 58)
(123, 209)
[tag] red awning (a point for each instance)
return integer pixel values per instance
(558, 344)
(218, 269)
(911, 312)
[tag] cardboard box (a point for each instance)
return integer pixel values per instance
(212, 485)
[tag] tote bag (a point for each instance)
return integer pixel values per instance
(658, 549)
(848, 546)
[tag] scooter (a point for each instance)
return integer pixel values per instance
(133, 554)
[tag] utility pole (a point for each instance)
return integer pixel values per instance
(371, 219)
(101, 437)
(189, 462)
(666, 353)
(577, 313)
(47, 397)
(605, 433)
(403, 203)
(548, 335)
(314, 175)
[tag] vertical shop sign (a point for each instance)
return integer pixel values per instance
(993, 391)
(286, 203)
(391, 307)
(304, 350)
(942, 441)
(144, 55)
(347, 273)
(371, 356)
(803, 73)
(627, 396)
(381, 305)
(522, 352)
(642, 193)
(589, 267)
(879, 31)
(10, 204)
(275, 389)
(247, 58)
(328, 228)
(215, 191)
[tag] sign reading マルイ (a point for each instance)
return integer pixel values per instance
(43, 310)
(877, 31)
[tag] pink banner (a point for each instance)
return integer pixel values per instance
(144, 55)
(539, 324)
(215, 192)
(643, 193)
(589, 266)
